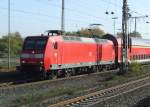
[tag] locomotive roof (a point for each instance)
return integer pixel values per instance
(83, 39)
(36, 37)
(75, 39)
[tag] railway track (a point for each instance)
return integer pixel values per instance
(19, 81)
(9, 84)
(31, 88)
(36, 81)
(103, 95)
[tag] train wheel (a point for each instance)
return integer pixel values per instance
(73, 72)
(67, 73)
(43, 75)
(53, 75)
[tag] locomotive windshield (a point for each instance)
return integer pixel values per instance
(35, 43)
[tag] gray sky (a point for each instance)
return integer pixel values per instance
(31, 17)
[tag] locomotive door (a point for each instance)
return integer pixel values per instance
(58, 53)
(98, 53)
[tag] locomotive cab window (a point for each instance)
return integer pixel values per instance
(40, 45)
(29, 45)
(35, 44)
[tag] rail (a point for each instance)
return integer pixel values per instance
(95, 95)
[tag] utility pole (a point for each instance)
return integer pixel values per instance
(62, 17)
(8, 34)
(135, 18)
(114, 18)
(124, 43)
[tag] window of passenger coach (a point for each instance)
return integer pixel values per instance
(141, 56)
(133, 57)
(130, 57)
(144, 56)
(147, 56)
(136, 57)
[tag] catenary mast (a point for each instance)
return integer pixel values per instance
(124, 43)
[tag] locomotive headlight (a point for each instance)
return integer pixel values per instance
(41, 62)
(23, 62)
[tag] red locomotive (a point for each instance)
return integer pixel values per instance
(55, 55)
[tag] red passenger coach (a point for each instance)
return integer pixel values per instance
(140, 51)
(55, 55)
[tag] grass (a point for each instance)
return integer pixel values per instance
(39, 97)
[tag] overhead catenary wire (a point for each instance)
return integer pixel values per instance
(92, 17)
(41, 15)
(77, 11)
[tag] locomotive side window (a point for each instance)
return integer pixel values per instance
(55, 45)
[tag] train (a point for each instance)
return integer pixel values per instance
(53, 55)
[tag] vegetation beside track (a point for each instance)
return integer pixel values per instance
(7, 70)
(64, 91)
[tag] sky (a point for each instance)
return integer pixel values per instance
(33, 17)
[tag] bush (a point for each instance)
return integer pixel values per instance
(135, 68)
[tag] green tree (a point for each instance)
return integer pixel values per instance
(135, 34)
(132, 34)
(85, 32)
(16, 42)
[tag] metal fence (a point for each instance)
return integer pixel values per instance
(13, 62)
